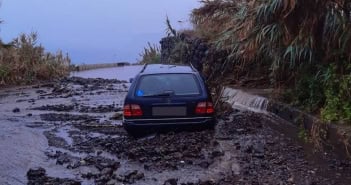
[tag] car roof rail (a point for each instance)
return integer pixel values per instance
(192, 67)
(144, 67)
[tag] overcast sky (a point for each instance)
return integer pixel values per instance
(94, 31)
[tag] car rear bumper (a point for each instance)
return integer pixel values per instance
(142, 123)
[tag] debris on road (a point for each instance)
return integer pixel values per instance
(85, 138)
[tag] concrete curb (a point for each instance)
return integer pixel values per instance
(333, 137)
(329, 137)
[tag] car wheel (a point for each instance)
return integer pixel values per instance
(211, 126)
(132, 132)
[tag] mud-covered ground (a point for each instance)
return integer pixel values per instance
(70, 133)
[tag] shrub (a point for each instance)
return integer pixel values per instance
(25, 62)
(338, 95)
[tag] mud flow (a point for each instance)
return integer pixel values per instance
(70, 133)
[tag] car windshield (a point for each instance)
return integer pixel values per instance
(167, 84)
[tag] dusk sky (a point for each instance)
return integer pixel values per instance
(94, 31)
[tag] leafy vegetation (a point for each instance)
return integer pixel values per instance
(303, 45)
(337, 95)
(169, 29)
(150, 55)
(289, 34)
(23, 61)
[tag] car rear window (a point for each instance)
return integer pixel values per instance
(178, 84)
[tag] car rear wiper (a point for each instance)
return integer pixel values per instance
(167, 93)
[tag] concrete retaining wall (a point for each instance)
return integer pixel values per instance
(333, 136)
(326, 136)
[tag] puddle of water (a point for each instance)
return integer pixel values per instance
(69, 152)
(95, 135)
(101, 135)
(23, 148)
(116, 122)
(2, 96)
(63, 133)
(108, 155)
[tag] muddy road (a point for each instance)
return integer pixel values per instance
(70, 132)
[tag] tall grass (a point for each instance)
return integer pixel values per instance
(288, 42)
(24, 61)
(151, 54)
(287, 34)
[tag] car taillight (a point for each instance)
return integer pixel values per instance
(132, 110)
(204, 108)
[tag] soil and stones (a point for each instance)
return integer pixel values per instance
(85, 138)
(39, 176)
(261, 155)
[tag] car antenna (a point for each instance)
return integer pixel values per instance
(144, 67)
(192, 67)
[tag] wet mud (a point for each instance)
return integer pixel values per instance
(39, 176)
(80, 120)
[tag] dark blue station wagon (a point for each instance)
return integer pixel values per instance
(163, 95)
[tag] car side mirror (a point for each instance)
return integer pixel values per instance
(131, 80)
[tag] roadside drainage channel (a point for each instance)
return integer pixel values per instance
(335, 137)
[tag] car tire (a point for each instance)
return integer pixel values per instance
(211, 126)
(132, 132)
